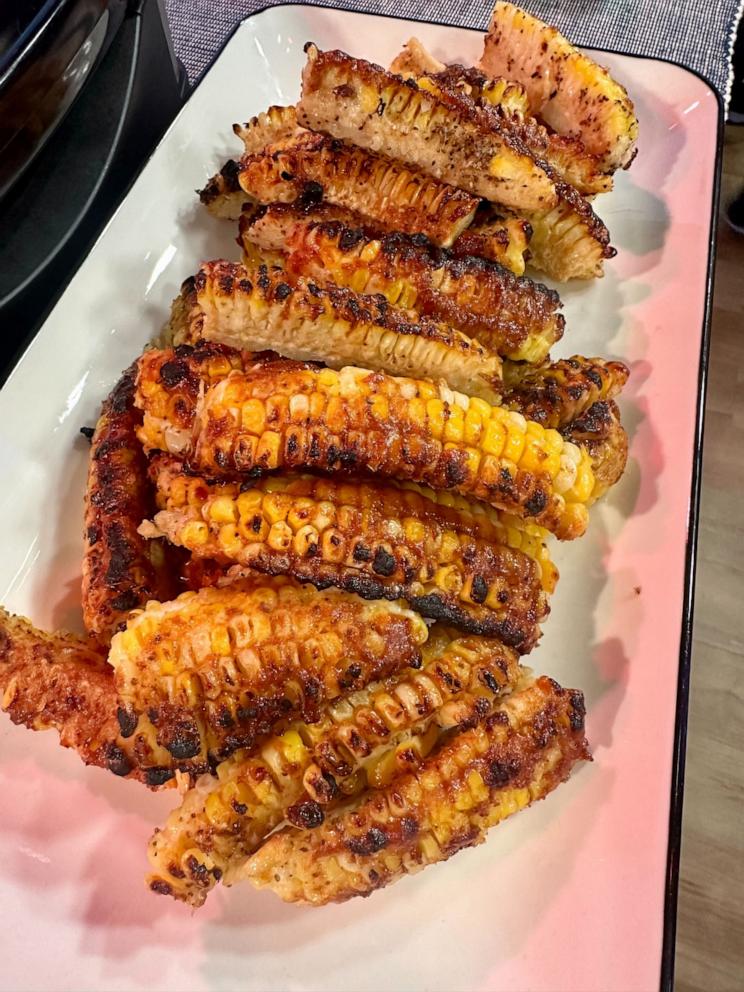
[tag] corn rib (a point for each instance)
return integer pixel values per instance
(62, 682)
(316, 166)
(257, 308)
(355, 420)
(362, 103)
(520, 754)
(209, 672)
(515, 317)
(365, 740)
(450, 560)
(121, 571)
(572, 94)
(557, 393)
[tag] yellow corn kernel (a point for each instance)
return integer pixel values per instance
(268, 449)
(533, 457)
(415, 531)
(222, 510)
(305, 539)
(581, 490)
(333, 546)
(253, 417)
(230, 542)
(473, 427)
(215, 810)
(435, 413)
(454, 426)
(220, 641)
(195, 534)
(449, 578)
(494, 438)
(248, 502)
(294, 749)
(280, 536)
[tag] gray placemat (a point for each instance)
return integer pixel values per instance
(696, 33)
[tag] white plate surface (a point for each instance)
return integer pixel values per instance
(565, 897)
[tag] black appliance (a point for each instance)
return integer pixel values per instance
(87, 88)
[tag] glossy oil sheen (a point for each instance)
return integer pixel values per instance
(566, 897)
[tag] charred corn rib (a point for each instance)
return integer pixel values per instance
(169, 382)
(362, 741)
(571, 93)
(362, 103)
(514, 317)
(505, 241)
(209, 672)
(121, 570)
(471, 783)
(448, 559)
(318, 166)
(270, 127)
(61, 682)
(258, 308)
(287, 417)
(556, 393)
(509, 101)
(603, 437)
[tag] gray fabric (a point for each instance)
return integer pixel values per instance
(696, 33)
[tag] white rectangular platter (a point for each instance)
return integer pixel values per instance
(566, 897)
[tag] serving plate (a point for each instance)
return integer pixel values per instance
(569, 896)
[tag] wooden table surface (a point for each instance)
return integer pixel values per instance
(710, 935)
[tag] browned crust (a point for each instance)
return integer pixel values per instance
(61, 682)
(312, 650)
(506, 599)
(600, 431)
(557, 393)
(121, 570)
(478, 297)
(377, 839)
(319, 167)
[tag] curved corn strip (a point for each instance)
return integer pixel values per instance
(400, 198)
(404, 428)
(223, 196)
(514, 317)
(469, 784)
(556, 393)
(377, 540)
(258, 308)
(572, 94)
(362, 741)
(61, 682)
(121, 571)
(212, 670)
(454, 141)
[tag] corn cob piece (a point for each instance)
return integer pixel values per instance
(258, 308)
(401, 198)
(362, 103)
(211, 671)
(504, 240)
(515, 317)
(471, 783)
(270, 127)
(603, 437)
(121, 570)
(408, 429)
(169, 382)
(449, 560)
(62, 682)
(571, 93)
(556, 393)
(223, 195)
(506, 102)
(365, 740)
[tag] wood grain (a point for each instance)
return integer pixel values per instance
(710, 934)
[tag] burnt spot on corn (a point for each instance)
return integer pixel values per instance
(115, 760)
(127, 721)
(161, 887)
(370, 843)
(307, 814)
